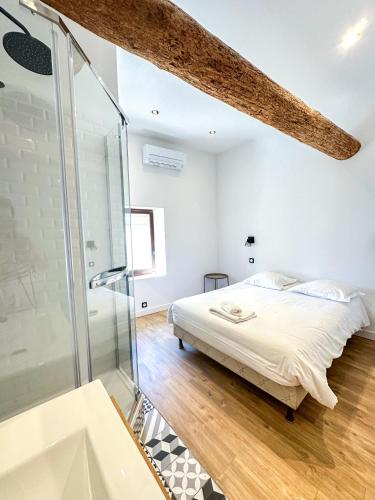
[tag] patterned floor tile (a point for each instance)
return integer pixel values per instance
(185, 476)
(138, 420)
(158, 472)
(210, 491)
(165, 448)
(182, 475)
(166, 431)
(147, 405)
(154, 425)
(138, 424)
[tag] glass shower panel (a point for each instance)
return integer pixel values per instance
(36, 329)
(128, 350)
(99, 130)
(116, 157)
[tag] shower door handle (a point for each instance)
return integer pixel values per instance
(107, 277)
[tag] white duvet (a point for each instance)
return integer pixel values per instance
(293, 339)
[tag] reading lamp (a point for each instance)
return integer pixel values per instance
(250, 241)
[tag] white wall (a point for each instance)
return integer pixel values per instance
(312, 216)
(189, 200)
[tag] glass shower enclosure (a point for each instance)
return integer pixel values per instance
(66, 291)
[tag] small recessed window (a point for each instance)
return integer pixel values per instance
(148, 241)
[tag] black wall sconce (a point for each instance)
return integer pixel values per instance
(250, 241)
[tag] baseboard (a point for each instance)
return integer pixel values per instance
(151, 310)
(367, 334)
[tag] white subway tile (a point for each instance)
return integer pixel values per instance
(9, 128)
(35, 157)
(18, 95)
(45, 125)
(30, 110)
(17, 118)
(36, 135)
(45, 104)
(20, 143)
(6, 103)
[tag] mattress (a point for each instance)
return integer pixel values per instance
(292, 341)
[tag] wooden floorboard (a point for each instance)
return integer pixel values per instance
(240, 434)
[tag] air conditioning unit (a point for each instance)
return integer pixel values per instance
(162, 157)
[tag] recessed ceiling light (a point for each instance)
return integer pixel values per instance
(155, 111)
(212, 132)
(354, 34)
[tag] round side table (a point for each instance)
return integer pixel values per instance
(216, 277)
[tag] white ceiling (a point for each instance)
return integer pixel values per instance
(296, 43)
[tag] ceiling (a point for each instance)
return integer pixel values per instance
(296, 43)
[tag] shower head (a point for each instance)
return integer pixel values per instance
(26, 50)
(29, 52)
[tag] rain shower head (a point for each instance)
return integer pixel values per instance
(26, 50)
(29, 52)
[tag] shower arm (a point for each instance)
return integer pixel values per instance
(15, 21)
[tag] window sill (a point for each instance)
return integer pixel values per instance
(149, 276)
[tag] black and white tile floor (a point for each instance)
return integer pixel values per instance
(181, 473)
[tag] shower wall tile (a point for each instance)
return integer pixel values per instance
(45, 126)
(9, 174)
(19, 142)
(35, 329)
(31, 191)
(30, 110)
(17, 118)
(9, 152)
(41, 103)
(8, 128)
(36, 135)
(19, 95)
(35, 159)
(7, 103)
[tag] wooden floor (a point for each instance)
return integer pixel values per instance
(240, 435)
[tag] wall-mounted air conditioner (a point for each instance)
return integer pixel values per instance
(163, 157)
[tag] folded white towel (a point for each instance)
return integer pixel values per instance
(231, 317)
(231, 308)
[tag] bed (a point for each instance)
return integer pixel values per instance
(285, 350)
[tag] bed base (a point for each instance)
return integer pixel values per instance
(291, 396)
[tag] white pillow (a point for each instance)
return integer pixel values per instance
(327, 289)
(270, 279)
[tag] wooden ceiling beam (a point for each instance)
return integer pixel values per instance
(165, 35)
